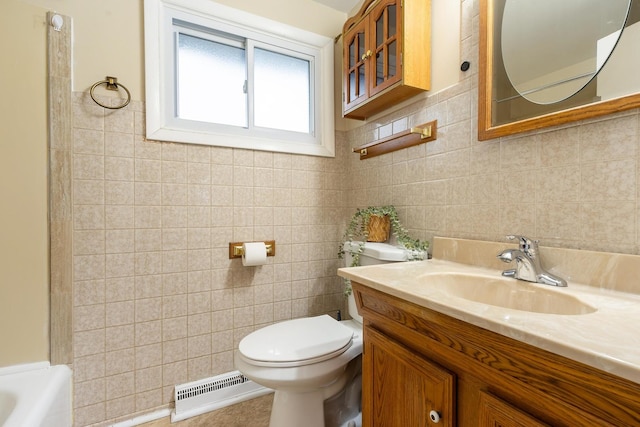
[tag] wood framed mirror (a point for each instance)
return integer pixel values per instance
(509, 103)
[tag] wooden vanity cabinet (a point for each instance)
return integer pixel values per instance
(386, 55)
(405, 389)
(475, 377)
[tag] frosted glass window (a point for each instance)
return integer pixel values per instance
(281, 91)
(220, 76)
(211, 82)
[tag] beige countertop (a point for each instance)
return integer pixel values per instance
(607, 339)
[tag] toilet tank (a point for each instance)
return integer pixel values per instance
(373, 253)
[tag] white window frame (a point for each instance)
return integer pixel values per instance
(161, 123)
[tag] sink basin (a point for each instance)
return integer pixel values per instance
(506, 293)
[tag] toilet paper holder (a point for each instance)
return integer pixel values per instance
(236, 250)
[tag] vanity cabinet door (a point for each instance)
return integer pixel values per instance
(497, 413)
(402, 388)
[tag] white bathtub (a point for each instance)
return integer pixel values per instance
(35, 395)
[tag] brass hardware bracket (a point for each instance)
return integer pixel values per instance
(423, 132)
(112, 83)
(236, 251)
(426, 132)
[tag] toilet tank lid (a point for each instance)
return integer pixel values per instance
(381, 251)
(296, 340)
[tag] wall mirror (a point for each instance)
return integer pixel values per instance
(550, 62)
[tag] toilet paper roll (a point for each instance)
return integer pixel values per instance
(254, 253)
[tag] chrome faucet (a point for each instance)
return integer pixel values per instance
(528, 265)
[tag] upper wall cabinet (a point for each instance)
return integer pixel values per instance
(386, 55)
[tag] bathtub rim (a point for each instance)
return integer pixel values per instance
(34, 412)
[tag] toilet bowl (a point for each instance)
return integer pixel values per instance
(309, 360)
(302, 372)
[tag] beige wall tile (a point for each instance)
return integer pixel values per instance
(119, 289)
(88, 415)
(608, 222)
(614, 139)
(119, 144)
(148, 332)
(88, 392)
(119, 241)
(88, 141)
(558, 184)
(118, 216)
(89, 242)
(119, 313)
(148, 170)
(174, 350)
(174, 373)
(86, 343)
(120, 337)
(88, 317)
(148, 355)
(119, 361)
(88, 292)
(148, 399)
(120, 385)
(148, 309)
(609, 181)
(89, 367)
(119, 407)
(119, 193)
(119, 265)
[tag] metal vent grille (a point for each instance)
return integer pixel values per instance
(208, 394)
(208, 387)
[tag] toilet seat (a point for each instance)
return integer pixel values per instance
(296, 342)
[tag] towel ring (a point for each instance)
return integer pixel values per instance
(112, 84)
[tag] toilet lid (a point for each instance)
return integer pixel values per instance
(296, 340)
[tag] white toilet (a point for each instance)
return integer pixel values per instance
(310, 360)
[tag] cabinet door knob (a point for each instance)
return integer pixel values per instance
(434, 416)
(367, 55)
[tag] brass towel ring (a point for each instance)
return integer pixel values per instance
(112, 84)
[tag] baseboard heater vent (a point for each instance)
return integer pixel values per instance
(213, 393)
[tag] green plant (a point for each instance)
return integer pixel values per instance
(357, 228)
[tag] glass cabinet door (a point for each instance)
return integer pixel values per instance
(356, 58)
(386, 31)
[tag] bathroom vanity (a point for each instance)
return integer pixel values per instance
(432, 357)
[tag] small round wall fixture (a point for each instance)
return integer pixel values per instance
(465, 66)
(57, 22)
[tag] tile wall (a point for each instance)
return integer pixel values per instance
(157, 302)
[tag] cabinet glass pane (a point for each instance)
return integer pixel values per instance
(362, 81)
(352, 53)
(380, 30)
(379, 67)
(391, 60)
(360, 47)
(281, 92)
(352, 86)
(206, 71)
(391, 10)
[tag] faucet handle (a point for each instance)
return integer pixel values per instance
(525, 244)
